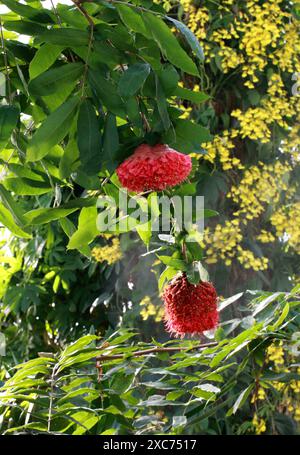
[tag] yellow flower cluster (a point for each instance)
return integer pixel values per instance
(249, 261)
(259, 186)
(265, 237)
(290, 399)
(275, 353)
(196, 18)
(259, 424)
(220, 148)
(286, 221)
(265, 33)
(259, 35)
(223, 242)
(111, 253)
(275, 108)
(260, 394)
(149, 309)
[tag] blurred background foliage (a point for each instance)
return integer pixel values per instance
(244, 96)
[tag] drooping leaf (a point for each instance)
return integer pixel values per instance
(107, 94)
(26, 187)
(111, 138)
(43, 216)
(70, 159)
(133, 79)
(65, 37)
(241, 400)
(27, 11)
(52, 131)
(189, 36)
(9, 116)
(46, 55)
(169, 44)
(87, 228)
(7, 220)
(89, 139)
(194, 97)
(25, 27)
(133, 20)
(188, 136)
(52, 80)
(162, 105)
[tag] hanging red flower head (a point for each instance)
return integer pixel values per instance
(154, 168)
(190, 308)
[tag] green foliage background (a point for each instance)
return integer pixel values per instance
(91, 82)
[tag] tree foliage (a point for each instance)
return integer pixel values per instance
(85, 84)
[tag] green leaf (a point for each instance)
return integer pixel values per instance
(89, 139)
(189, 137)
(162, 105)
(33, 14)
(111, 138)
(67, 37)
(121, 383)
(70, 159)
(266, 302)
(107, 94)
(24, 27)
(77, 346)
(208, 213)
(52, 131)
(189, 36)
(87, 228)
(132, 20)
(282, 317)
(53, 79)
(46, 55)
(145, 232)
(166, 275)
(174, 395)
(43, 216)
(206, 391)
(178, 264)
(240, 400)
(229, 301)
(13, 206)
(133, 79)
(7, 220)
(169, 44)
(194, 97)
(27, 187)
(9, 116)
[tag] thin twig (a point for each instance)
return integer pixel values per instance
(77, 3)
(56, 13)
(153, 351)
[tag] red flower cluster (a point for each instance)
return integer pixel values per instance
(190, 308)
(154, 168)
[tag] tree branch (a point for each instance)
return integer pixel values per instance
(152, 351)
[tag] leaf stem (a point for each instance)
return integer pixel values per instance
(89, 19)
